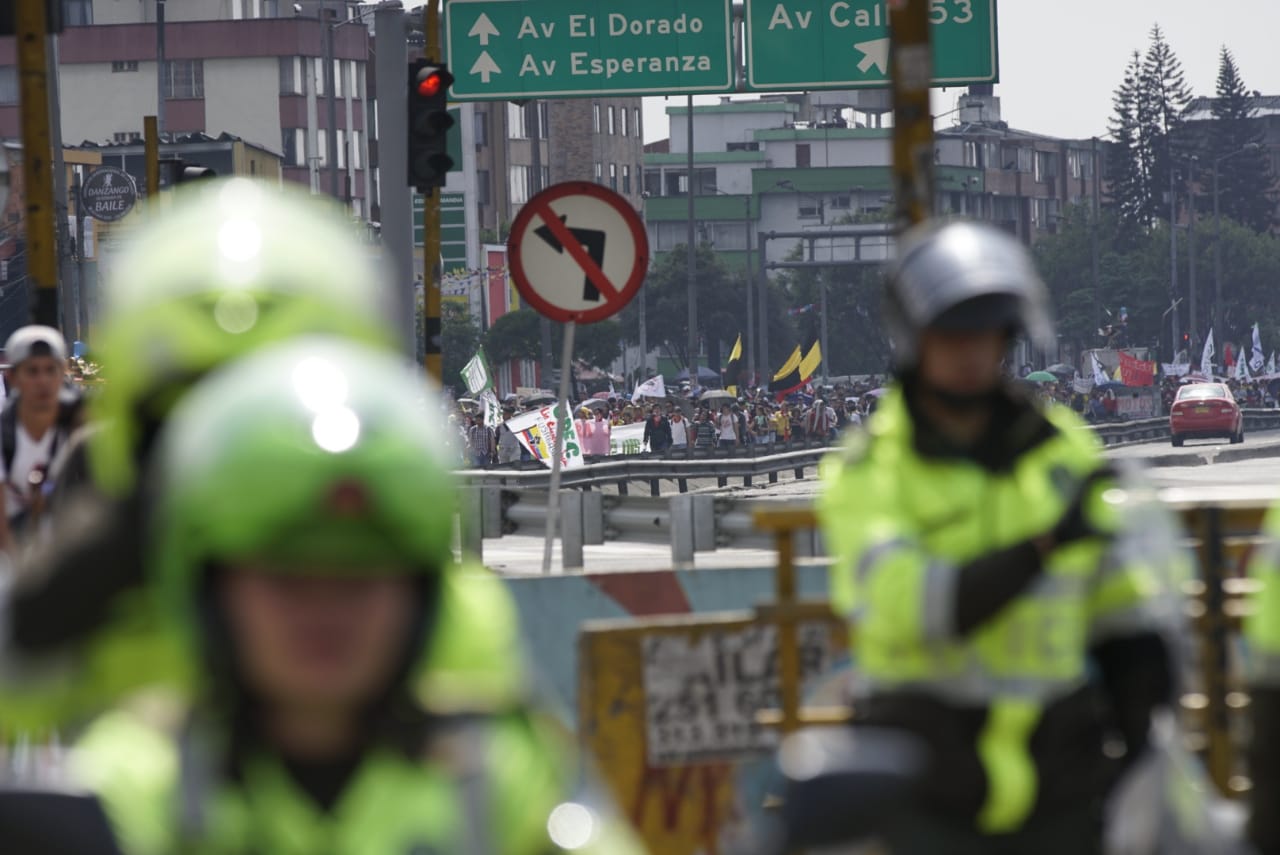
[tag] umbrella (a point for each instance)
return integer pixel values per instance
(1041, 377)
(595, 404)
(1062, 370)
(718, 395)
(605, 395)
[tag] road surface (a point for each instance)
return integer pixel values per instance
(1194, 465)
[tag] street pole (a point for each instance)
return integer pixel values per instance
(691, 258)
(1093, 241)
(67, 312)
(1191, 273)
(762, 294)
(533, 124)
(391, 65)
(751, 326)
(1217, 249)
(37, 149)
(822, 321)
(331, 108)
(433, 343)
(160, 66)
(1173, 255)
(560, 408)
(82, 289)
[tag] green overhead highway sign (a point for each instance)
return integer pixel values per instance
(844, 44)
(515, 49)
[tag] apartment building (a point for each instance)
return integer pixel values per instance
(821, 162)
(253, 69)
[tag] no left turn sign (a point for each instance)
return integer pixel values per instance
(578, 252)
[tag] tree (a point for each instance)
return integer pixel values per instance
(1125, 165)
(856, 335)
(518, 335)
(1245, 180)
(1135, 274)
(722, 305)
(515, 335)
(460, 338)
(1163, 97)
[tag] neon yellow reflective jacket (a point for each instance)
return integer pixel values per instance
(1262, 626)
(899, 524)
(486, 784)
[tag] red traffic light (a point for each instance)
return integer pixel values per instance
(430, 85)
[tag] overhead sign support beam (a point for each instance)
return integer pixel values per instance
(37, 159)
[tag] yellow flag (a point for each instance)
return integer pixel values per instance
(736, 353)
(811, 361)
(793, 362)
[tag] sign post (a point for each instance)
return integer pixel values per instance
(518, 49)
(108, 194)
(579, 253)
(844, 44)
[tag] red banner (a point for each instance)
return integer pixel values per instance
(1136, 372)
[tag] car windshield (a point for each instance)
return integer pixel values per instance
(1200, 392)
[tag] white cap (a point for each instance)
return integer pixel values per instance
(24, 340)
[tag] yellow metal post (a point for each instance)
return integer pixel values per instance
(37, 159)
(911, 61)
(434, 350)
(151, 148)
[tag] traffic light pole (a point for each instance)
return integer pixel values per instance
(395, 206)
(911, 61)
(37, 148)
(434, 351)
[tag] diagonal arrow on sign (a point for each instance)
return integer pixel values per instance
(590, 239)
(484, 29)
(485, 66)
(874, 53)
(555, 224)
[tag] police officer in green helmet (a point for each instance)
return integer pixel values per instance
(1003, 613)
(301, 521)
(226, 267)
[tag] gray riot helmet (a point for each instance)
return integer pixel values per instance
(964, 276)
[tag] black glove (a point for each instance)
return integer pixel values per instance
(1074, 524)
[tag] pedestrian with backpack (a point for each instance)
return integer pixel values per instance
(35, 422)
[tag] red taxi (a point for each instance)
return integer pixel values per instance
(1203, 410)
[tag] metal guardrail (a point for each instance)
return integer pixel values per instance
(758, 461)
(1145, 430)
(755, 462)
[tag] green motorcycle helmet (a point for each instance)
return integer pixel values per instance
(314, 456)
(225, 267)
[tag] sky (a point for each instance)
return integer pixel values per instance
(1061, 60)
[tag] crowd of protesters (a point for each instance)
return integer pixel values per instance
(685, 419)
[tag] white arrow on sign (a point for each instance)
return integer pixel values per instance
(874, 53)
(485, 66)
(483, 28)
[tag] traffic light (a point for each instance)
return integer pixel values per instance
(175, 171)
(429, 124)
(8, 17)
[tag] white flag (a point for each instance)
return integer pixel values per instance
(476, 374)
(1257, 359)
(654, 387)
(1241, 371)
(1099, 373)
(492, 409)
(1206, 357)
(1271, 363)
